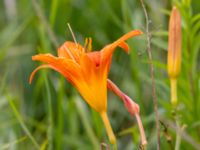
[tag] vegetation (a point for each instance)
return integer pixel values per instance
(50, 113)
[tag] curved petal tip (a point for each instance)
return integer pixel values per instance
(36, 69)
(136, 32)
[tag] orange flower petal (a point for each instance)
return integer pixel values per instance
(95, 94)
(91, 66)
(95, 57)
(93, 88)
(67, 67)
(67, 76)
(109, 49)
(35, 70)
(124, 46)
(87, 67)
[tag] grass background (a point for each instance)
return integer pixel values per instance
(49, 113)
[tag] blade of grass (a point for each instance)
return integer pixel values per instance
(21, 121)
(44, 145)
(54, 7)
(50, 114)
(15, 29)
(44, 21)
(196, 18)
(98, 126)
(7, 146)
(184, 135)
(84, 117)
(60, 120)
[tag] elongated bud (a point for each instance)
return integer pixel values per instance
(132, 107)
(174, 52)
(174, 44)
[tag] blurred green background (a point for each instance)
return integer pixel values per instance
(50, 114)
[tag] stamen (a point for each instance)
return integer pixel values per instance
(90, 44)
(69, 53)
(72, 33)
(86, 43)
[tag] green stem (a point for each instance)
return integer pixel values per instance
(173, 83)
(115, 146)
(142, 133)
(178, 137)
(108, 127)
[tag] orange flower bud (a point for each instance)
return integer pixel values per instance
(174, 44)
(174, 52)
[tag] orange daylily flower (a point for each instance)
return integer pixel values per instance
(87, 71)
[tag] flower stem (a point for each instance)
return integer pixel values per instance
(173, 82)
(115, 146)
(152, 73)
(142, 133)
(108, 127)
(178, 137)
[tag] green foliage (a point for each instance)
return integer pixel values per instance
(48, 114)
